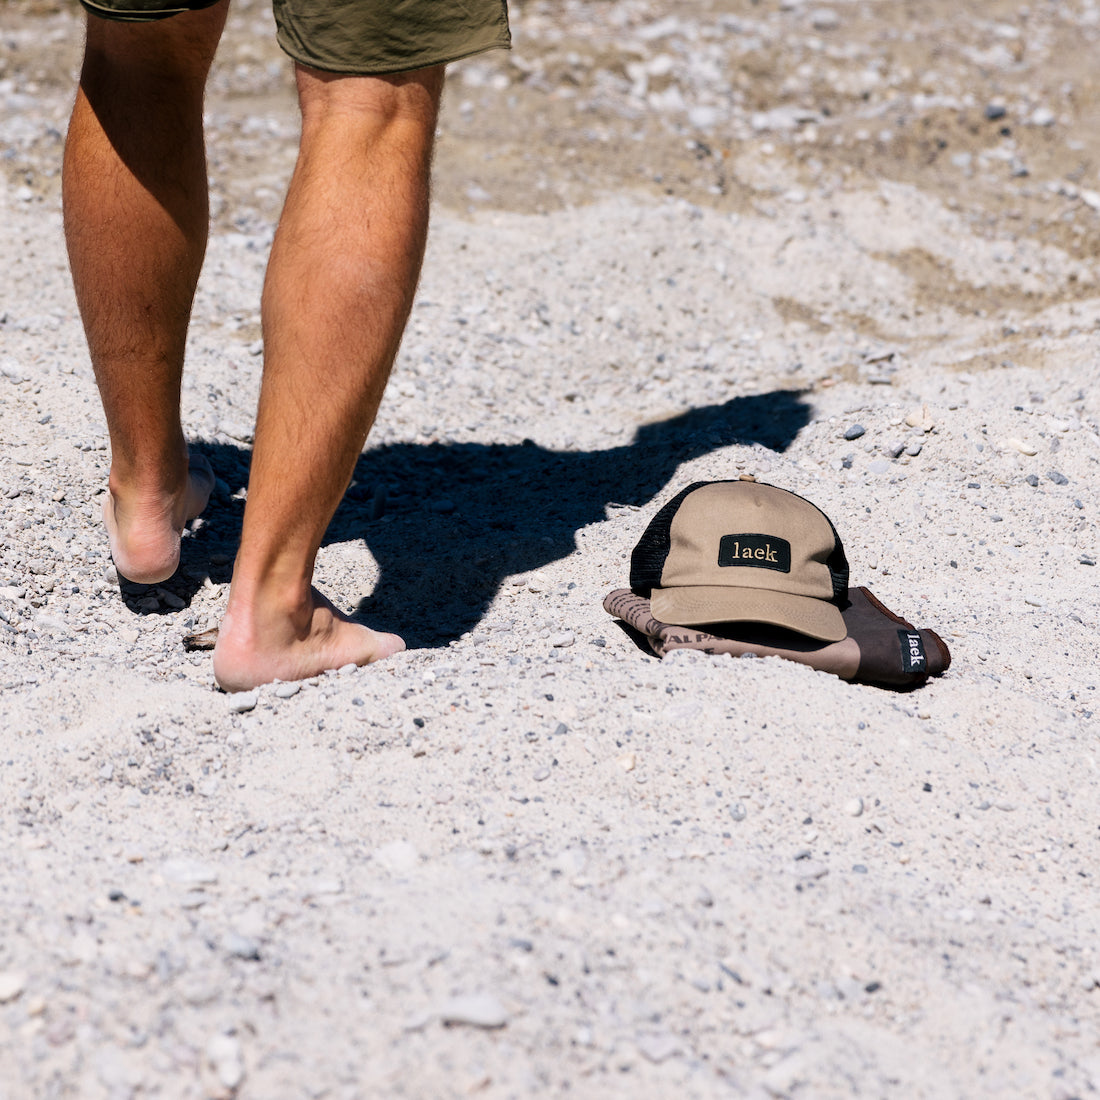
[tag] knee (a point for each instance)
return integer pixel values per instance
(177, 51)
(373, 102)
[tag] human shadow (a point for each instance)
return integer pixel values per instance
(448, 522)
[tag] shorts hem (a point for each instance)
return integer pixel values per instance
(503, 43)
(115, 15)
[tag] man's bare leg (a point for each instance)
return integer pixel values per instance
(340, 283)
(136, 212)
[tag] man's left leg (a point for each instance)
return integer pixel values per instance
(340, 284)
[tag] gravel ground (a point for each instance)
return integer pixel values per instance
(849, 249)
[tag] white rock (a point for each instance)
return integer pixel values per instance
(11, 985)
(223, 1053)
(854, 807)
(243, 701)
(189, 872)
(824, 19)
(287, 691)
(657, 1048)
(474, 1010)
(398, 857)
(703, 117)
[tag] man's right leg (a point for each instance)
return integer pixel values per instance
(136, 213)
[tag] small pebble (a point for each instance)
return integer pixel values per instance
(11, 986)
(398, 857)
(287, 691)
(657, 1048)
(824, 19)
(1057, 478)
(223, 1053)
(241, 947)
(243, 701)
(541, 774)
(855, 431)
(738, 811)
(474, 1010)
(627, 761)
(920, 418)
(809, 870)
(189, 872)
(854, 807)
(563, 640)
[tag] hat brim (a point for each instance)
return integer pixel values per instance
(703, 604)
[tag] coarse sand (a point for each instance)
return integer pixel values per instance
(850, 250)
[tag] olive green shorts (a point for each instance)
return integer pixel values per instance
(361, 37)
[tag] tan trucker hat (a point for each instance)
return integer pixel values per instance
(741, 551)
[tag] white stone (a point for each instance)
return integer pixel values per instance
(189, 872)
(398, 857)
(223, 1052)
(11, 986)
(474, 1010)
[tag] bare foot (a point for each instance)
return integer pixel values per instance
(255, 647)
(145, 533)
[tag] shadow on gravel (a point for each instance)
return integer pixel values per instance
(448, 523)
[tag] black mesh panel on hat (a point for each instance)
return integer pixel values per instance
(837, 562)
(647, 562)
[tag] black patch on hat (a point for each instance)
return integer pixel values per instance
(755, 551)
(913, 657)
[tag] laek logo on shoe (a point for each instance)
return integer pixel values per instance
(757, 551)
(913, 657)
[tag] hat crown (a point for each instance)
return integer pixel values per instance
(726, 551)
(744, 534)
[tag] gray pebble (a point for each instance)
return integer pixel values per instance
(241, 947)
(855, 431)
(1057, 478)
(738, 811)
(893, 448)
(541, 774)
